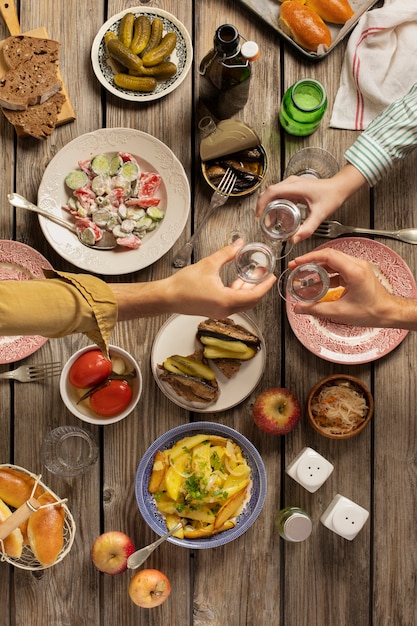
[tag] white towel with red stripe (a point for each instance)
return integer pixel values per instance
(380, 64)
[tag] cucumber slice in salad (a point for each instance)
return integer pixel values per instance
(76, 179)
(100, 164)
(130, 171)
(115, 165)
(154, 213)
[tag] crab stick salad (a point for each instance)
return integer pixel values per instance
(112, 193)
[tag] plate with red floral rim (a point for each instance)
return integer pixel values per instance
(351, 345)
(20, 262)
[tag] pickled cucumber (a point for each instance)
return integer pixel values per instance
(215, 348)
(135, 83)
(212, 352)
(162, 71)
(141, 34)
(156, 35)
(120, 53)
(126, 29)
(185, 365)
(161, 52)
(235, 346)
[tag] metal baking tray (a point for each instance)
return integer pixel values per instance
(268, 11)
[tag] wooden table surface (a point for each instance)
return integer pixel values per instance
(258, 578)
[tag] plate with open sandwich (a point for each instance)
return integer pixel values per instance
(351, 345)
(88, 174)
(20, 262)
(206, 365)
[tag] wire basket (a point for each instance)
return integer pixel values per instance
(27, 560)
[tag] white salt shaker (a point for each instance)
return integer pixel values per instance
(344, 517)
(310, 469)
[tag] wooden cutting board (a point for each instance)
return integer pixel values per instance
(9, 14)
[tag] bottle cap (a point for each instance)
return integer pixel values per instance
(250, 50)
(298, 527)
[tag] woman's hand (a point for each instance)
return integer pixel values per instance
(365, 301)
(321, 196)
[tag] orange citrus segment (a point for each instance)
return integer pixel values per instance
(334, 293)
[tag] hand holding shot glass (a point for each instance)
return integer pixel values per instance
(280, 220)
(310, 282)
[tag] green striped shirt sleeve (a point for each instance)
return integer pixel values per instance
(391, 136)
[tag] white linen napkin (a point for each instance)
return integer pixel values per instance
(380, 64)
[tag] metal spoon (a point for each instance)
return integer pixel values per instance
(107, 242)
(137, 558)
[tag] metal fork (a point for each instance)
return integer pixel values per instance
(219, 197)
(332, 229)
(30, 373)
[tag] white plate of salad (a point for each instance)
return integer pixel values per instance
(118, 178)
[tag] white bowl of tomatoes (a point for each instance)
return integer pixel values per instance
(100, 390)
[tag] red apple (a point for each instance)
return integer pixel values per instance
(276, 411)
(110, 552)
(149, 588)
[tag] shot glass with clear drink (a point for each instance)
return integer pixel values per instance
(254, 262)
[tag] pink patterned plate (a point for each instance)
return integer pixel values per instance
(20, 262)
(352, 345)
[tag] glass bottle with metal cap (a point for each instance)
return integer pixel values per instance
(226, 71)
(294, 524)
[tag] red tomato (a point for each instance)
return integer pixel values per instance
(111, 399)
(89, 369)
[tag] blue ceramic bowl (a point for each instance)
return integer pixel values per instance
(146, 501)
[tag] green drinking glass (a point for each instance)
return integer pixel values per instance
(303, 107)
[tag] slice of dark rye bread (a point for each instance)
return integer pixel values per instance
(27, 85)
(37, 121)
(20, 48)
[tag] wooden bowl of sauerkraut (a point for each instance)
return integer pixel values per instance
(339, 406)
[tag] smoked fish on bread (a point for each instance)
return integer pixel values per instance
(190, 377)
(227, 344)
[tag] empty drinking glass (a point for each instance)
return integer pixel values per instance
(312, 163)
(69, 451)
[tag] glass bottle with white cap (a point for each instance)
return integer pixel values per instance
(226, 71)
(294, 524)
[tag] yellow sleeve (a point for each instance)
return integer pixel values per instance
(60, 305)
